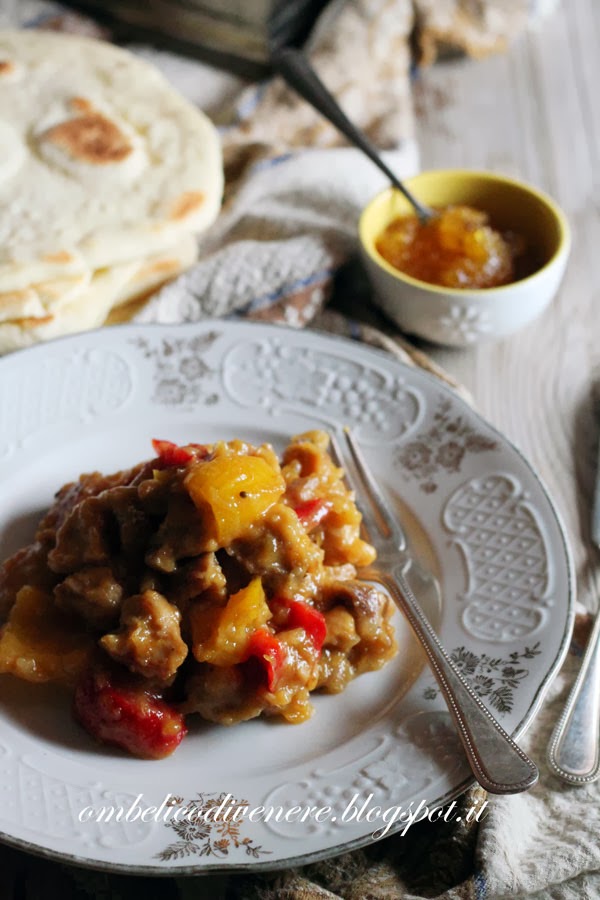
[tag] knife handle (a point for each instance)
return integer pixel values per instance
(574, 749)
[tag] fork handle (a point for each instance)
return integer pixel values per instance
(498, 764)
(574, 751)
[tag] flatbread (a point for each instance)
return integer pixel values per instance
(17, 276)
(40, 298)
(158, 269)
(101, 161)
(112, 288)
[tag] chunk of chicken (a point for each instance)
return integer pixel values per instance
(94, 594)
(149, 640)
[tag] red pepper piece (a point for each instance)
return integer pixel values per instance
(171, 454)
(312, 512)
(265, 646)
(303, 615)
(127, 716)
(200, 450)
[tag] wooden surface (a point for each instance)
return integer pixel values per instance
(533, 113)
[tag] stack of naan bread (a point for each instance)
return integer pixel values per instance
(107, 176)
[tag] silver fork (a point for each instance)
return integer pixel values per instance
(498, 764)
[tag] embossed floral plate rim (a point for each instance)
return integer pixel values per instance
(249, 377)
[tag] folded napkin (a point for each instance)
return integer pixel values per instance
(283, 245)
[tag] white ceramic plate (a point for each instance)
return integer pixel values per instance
(474, 509)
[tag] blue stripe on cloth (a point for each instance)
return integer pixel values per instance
(250, 101)
(480, 884)
(286, 289)
(42, 17)
(273, 161)
(354, 329)
(244, 109)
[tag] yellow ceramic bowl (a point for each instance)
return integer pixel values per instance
(456, 316)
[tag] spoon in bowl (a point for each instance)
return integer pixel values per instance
(297, 72)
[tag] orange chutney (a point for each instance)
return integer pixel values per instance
(458, 248)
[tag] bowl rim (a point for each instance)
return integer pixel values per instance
(563, 248)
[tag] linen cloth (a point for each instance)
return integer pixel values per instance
(286, 241)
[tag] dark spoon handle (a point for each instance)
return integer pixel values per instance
(295, 69)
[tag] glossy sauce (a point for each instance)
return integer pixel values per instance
(457, 249)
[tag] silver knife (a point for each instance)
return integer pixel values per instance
(574, 749)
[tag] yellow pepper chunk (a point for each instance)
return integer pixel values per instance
(41, 643)
(232, 492)
(223, 639)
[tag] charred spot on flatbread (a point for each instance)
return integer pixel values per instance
(164, 267)
(61, 256)
(92, 138)
(186, 204)
(81, 105)
(26, 322)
